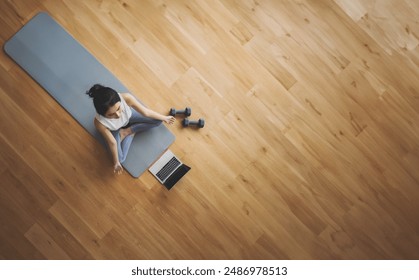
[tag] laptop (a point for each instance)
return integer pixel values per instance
(168, 169)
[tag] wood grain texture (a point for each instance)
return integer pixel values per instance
(310, 149)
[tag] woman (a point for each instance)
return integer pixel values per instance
(119, 117)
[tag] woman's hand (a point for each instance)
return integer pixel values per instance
(117, 168)
(169, 119)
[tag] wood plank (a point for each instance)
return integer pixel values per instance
(81, 231)
(15, 220)
(63, 238)
(45, 243)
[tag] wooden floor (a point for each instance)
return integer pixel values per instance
(310, 149)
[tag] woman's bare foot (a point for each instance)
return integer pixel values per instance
(124, 132)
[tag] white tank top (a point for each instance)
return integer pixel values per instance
(123, 120)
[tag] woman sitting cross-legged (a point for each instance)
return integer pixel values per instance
(119, 116)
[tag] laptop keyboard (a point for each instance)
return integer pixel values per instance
(168, 168)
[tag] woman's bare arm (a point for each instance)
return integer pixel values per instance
(134, 103)
(110, 140)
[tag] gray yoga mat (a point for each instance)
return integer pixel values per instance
(66, 70)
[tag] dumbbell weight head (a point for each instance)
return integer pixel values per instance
(185, 122)
(199, 123)
(188, 111)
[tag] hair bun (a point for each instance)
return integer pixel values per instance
(95, 89)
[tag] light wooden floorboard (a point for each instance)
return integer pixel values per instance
(310, 149)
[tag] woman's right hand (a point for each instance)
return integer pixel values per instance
(169, 119)
(117, 168)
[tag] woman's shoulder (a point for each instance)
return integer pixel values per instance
(98, 124)
(128, 98)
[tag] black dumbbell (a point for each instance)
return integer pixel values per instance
(187, 112)
(199, 123)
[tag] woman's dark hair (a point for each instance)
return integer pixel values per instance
(103, 98)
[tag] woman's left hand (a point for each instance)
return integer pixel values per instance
(169, 119)
(117, 168)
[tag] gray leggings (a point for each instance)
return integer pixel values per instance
(138, 123)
